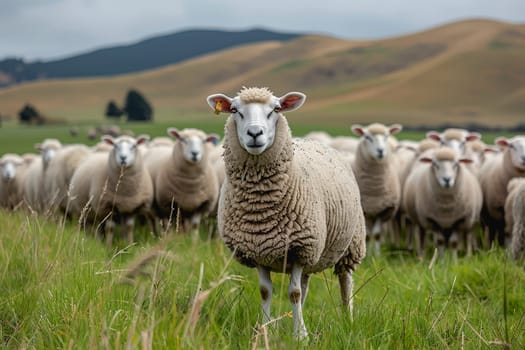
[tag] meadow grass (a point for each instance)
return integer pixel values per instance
(62, 288)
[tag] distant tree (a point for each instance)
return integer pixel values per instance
(30, 115)
(113, 111)
(137, 107)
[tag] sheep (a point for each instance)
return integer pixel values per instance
(456, 139)
(115, 184)
(448, 198)
(494, 177)
(346, 144)
(34, 179)
(13, 168)
(184, 178)
(161, 141)
(59, 173)
(286, 205)
(320, 136)
(515, 217)
(377, 177)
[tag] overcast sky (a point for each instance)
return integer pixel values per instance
(57, 28)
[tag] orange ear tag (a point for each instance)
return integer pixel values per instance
(218, 107)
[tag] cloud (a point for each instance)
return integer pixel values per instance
(54, 28)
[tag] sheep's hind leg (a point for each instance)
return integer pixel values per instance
(294, 293)
(346, 286)
(129, 225)
(266, 290)
(305, 280)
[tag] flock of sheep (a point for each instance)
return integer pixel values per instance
(285, 204)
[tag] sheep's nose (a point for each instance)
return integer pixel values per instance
(123, 158)
(380, 153)
(447, 180)
(255, 131)
(194, 155)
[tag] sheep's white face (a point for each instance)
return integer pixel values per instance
(458, 144)
(256, 122)
(376, 145)
(445, 171)
(8, 167)
(193, 146)
(516, 147)
(125, 149)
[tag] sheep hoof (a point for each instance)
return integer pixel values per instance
(301, 335)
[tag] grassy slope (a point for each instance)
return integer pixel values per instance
(60, 288)
(464, 71)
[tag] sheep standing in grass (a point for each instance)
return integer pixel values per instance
(448, 198)
(377, 176)
(184, 178)
(286, 205)
(515, 217)
(106, 186)
(12, 172)
(494, 176)
(59, 173)
(34, 194)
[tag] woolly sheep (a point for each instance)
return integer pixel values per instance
(448, 198)
(494, 177)
(59, 173)
(12, 168)
(515, 217)
(183, 177)
(456, 139)
(286, 206)
(377, 176)
(34, 179)
(106, 186)
(320, 136)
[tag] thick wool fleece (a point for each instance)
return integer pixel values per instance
(296, 202)
(455, 208)
(515, 216)
(192, 187)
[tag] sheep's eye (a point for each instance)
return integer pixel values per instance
(277, 109)
(369, 138)
(512, 146)
(233, 110)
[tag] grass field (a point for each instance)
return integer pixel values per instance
(61, 288)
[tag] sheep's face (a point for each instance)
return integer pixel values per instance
(8, 167)
(445, 170)
(375, 139)
(454, 138)
(516, 146)
(125, 149)
(193, 143)
(256, 120)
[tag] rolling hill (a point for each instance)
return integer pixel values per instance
(468, 71)
(146, 54)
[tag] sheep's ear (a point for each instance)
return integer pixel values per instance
(425, 160)
(473, 136)
(466, 160)
(174, 132)
(220, 103)
(502, 142)
(107, 139)
(38, 146)
(490, 149)
(291, 101)
(213, 138)
(395, 128)
(142, 138)
(357, 129)
(433, 135)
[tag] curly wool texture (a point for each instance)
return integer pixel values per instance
(293, 203)
(378, 180)
(515, 216)
(192, 187)
(255, 95)
(455, 208)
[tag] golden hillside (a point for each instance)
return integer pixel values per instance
(465, 71)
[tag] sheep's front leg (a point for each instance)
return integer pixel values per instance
(346, 285)
(129, 225)
(195, 223)
(109, 227)
(294, 293)
(305, 280)
(266, 289)
(376, 236)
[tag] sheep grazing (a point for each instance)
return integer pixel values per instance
(34, 195)
(12, 168)
(106, 186)
(494, 176)
(377, 176)
(286, 205)
(184, 178)
(447, 198)
(515, 217)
